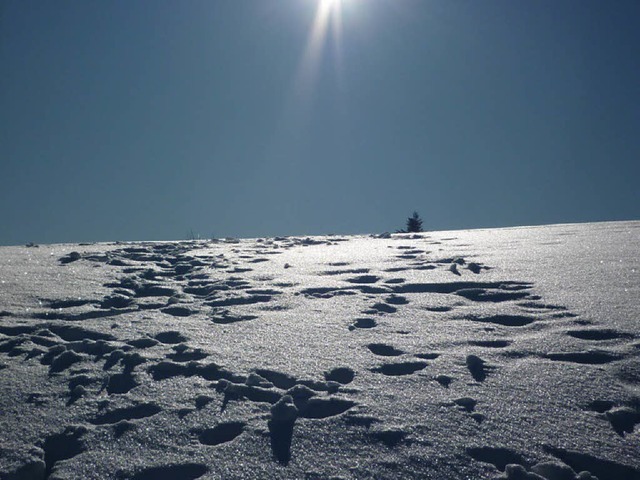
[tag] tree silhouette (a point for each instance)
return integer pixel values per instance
(414, 223)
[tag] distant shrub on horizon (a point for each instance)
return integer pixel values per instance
(414, 224)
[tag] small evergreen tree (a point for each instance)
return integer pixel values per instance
(414, 223)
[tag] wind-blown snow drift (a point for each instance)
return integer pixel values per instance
(510, 353)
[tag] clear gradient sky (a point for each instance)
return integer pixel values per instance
(145, 120)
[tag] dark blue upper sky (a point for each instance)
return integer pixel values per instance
(145, 120)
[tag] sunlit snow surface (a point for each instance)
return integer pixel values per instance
(510, 353)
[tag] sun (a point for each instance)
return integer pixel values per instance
(329, 7)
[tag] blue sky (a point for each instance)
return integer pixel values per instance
(145, 120)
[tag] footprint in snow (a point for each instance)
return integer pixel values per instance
(221, 433)
(390, 437)
(478, 368)
(381, 307)
(179, 311)
(504, 320)
(598, 334)
(467, 404)
(499, 457)
(591, 357)
(62, 446)
(398, 369)
(170, 337)
(396, 300)
(186, 471)
(384, 350)
(182, 353)
(363, 323)
(142, 410)
(343, 375)
(490, 343)
(623, 419)
(444, 380)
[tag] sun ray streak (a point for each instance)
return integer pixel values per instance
(308, 70)
(297, 109)
(337, 45)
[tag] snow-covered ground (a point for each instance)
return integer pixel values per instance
(504, 353)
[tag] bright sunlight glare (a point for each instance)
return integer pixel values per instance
(325, 28)
(328, 17)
